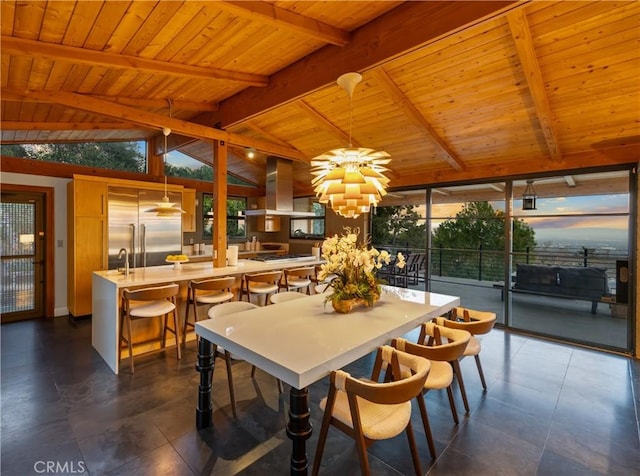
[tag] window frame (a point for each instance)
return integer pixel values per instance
(316, 206)
(240, 219)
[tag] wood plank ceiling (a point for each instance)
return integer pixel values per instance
(453, 91)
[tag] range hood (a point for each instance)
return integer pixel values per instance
(279, 186)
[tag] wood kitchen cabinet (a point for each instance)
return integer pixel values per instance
(268, 223)
(87, 234)
(189, 206)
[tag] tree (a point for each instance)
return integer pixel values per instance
(398, 227)
(236, 221)
(478, 228)
(105, 155)
(13, 150)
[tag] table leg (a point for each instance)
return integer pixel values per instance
(299, 429)
(204, 365)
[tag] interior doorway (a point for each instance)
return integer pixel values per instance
(23, 255)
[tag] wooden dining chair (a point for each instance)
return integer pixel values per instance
(476, 323)
(208, 292)
(284, 296)
(367, 410)
(260, 284)
(442, 347)
(297, 279)
(149, 303)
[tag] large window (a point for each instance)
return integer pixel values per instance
(312, 228)
(236, 221)
(558, 270)
(127, 156)
(181, 165)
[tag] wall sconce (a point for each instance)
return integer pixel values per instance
(250, 153)
(529, 197)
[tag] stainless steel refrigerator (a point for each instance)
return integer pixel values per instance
(148, 238)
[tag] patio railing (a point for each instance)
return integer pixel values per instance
(488, 265)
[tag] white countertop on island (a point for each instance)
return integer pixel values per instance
(187, 271)
(107, 287)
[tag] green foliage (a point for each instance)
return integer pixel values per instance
(236, 222)
(106, 155)
(457, 242)
(14, 150)
(398, 227)
(204, 172)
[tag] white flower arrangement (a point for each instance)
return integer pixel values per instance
(354, 266)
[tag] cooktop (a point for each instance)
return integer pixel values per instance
(282, 258)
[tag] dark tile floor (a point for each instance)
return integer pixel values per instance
(550, 409)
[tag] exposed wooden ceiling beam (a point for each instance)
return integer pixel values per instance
(48, 51)
(524, 167)
(326, 124)
(288, 20)
(407, 27)
(157, 121)
(399, 98)
(68, 126)
(178, 104)
(198, 106)
(527, 54)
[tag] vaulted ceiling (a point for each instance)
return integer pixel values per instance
(453, 91)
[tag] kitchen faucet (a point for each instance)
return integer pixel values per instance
(126, 259)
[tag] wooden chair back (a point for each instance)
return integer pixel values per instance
(267, 277)
(168, 292)
(470, 320)
(215, 284)
(437, 343)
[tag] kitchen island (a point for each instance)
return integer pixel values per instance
(108, 286)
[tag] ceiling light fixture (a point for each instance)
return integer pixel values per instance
(251, 153)
(350, 179)
(165, 207)
(529, 197)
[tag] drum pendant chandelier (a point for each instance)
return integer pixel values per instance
(351, 179)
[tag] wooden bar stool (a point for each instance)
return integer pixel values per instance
(321, 285)
(296, 279)
(149, 303)
(260, 284)
(206, 292)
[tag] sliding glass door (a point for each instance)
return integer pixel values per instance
(566, 285)
(557, 266)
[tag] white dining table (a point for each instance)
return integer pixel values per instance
(301, 341)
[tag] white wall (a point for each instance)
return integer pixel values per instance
(60, 229)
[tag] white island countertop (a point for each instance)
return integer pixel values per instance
(108, 286)
(187, 271)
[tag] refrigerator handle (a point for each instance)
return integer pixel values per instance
(132, 245)
(143, 245)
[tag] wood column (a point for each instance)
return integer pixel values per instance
(155, 162)
(220, 203)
